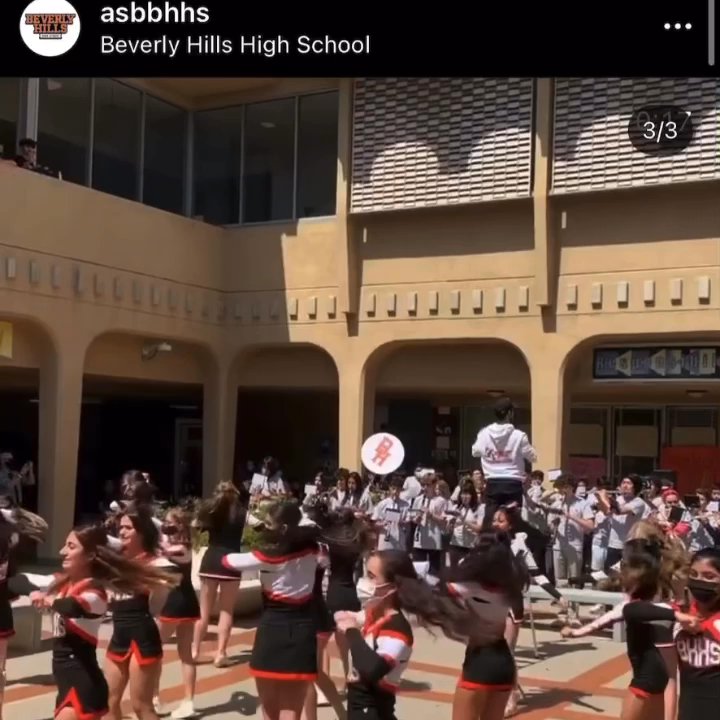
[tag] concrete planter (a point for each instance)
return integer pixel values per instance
(249, 599)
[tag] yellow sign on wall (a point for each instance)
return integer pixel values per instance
(6, 339)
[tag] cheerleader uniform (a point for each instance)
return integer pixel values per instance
(488, 663)
(698, 656)
(77, 614)
(224, 540)
(285, 642)
(341, 590)
(649, 674)
(325, 622)
(182, 604)
(135, 632)
(379, 654)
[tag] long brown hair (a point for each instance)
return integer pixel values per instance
(141, 517)
(112, 570)
(227, 504)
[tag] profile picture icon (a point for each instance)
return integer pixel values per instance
(50, 27)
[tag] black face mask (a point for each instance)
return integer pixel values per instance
(704, 592)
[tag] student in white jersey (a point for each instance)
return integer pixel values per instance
(465, 521)
(503, 451)
(391, 518)
(624, 511)
(428, 514)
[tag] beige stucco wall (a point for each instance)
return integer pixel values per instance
(442, 297)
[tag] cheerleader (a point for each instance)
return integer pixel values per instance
(346, 539)
(317, 516)
(135, 489)
(381, 638)
(641, 579)
(697, 637)
(506, 520)
(13, 524)
(223, 517)
(134, 653)
(77, 599)
(284, 655)
(181, 610)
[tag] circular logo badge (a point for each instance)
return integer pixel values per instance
(382, 453)
(50, 27)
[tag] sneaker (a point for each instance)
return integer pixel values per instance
(158, 706)
(186, 709)
(597, 610)
(222, 662)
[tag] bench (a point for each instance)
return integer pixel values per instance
(28, 627)
(585, 597)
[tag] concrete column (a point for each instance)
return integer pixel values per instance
(549, 409)
(356, 409)
(61, 382)
(219, 426)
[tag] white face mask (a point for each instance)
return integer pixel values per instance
(367, 591)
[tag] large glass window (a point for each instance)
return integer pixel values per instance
(216, 165)
(117, 139)
(317, 154)
(64, 126)
(268, 178)
(9, 105)
(164, 166)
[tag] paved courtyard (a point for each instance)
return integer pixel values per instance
(570, 680)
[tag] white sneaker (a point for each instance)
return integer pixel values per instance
(158, 706)
(186, 709)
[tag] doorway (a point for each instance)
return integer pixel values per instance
(187, 479)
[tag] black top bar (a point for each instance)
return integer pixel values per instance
(232, 38)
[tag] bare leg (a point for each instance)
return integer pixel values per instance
(344, 653)
(226, 612)
(3, 659)
(636, 708)
(496, 704)
(282, 699)
(325, 683)
(512, 630)
(208, 593)
(468, 704)
(117, 676)
(669, 655)
(143, 680)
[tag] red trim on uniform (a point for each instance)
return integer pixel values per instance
(452, 591)
(324, 635)
(135, 651)
(4, 634)
(642, 694)
(269, 675)
(178, 620)
(469, 685)
(289, 599)
(388, 659)
(279, 559)
(388, 687)
(220, 578)
(709, 626)
(72, 700)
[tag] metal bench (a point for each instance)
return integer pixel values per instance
(28, 627)
(585, 597)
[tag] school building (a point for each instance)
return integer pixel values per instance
(212, 270)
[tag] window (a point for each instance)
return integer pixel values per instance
(117, 139)
(9, 106)
(216, 165)
(317, 154)
(64, 126)
(268, 178)
(164, 166)
(692, 426)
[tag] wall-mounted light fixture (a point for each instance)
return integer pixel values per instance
(151, 350)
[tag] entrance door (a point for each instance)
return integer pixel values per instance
(188, 458)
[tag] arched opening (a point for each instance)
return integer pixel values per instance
(287, 408)
(24, 347)
(435, 396)
(638, 404)
(142, 409)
